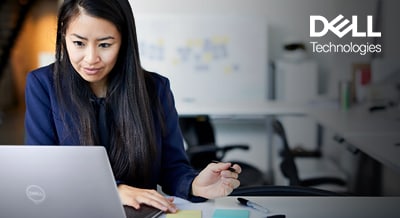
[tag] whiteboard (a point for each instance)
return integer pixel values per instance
(210, 58)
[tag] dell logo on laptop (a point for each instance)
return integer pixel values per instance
(35, 193)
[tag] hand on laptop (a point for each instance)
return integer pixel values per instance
(134, 197)
(216, 180)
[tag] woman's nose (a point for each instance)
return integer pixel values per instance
(91, 56)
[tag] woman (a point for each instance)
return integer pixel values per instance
(96, 93)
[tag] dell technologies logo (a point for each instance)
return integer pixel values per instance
(341, 27)
(337, 30)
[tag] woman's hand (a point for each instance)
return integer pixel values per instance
(216, 180)
(133, 197)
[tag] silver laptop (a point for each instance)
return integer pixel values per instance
(57, 181)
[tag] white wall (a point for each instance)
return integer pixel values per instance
(290, 18)
(286, 17)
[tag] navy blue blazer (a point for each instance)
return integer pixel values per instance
(44, 126)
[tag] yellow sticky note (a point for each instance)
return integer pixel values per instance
(185, 214)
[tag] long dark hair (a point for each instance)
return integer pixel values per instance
(129, 91)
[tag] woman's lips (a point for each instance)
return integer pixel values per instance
(91, 71)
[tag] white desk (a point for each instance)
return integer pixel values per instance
(245, 110)
(242, 109)
(373, 133)
(358, 121)
(385, 148)
(307, 207)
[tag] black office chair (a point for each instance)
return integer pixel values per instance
(277, 190)
(289, 167)
(202, 149)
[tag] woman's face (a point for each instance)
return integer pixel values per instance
(93, 45)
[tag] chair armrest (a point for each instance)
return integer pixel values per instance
(230, 147)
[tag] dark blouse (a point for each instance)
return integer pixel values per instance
(44, 126)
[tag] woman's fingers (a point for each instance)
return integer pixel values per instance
(222, 166)
(237, 168)
(134, 197)
(155, 199)
(229, 174)
(230, 184)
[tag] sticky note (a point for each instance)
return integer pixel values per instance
(185, 214)
(230, 213)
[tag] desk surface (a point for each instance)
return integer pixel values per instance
(298, 207)
(242, 108)
(385, 148)
(373, 133)
(358, 121)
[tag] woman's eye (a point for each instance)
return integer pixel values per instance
(105, 45)
(78, 43)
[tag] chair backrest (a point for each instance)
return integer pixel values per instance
(198, 131)
(288, 165)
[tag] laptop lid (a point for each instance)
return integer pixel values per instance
(57, 181)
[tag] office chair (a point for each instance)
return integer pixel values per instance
(289, 165)
(300, 151)
(278, 190)
(198, 133)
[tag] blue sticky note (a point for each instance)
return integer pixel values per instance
(230, 213)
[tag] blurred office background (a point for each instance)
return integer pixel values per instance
(27, 38)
